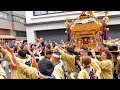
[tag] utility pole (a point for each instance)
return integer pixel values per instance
(11, 18)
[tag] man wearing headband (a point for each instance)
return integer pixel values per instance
(46, 68)
(58, 70)
(56, 58)
(68, 59)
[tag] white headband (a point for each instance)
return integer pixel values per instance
(37, 57)
(45, 76)
(55, 55)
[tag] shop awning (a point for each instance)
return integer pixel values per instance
(7, 37)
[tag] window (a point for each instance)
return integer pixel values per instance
(18, 19)
(4, 15)
(38, 13)
(1, 15)
(20, 33)
(22, 20)
(50, 12)
(43, 12)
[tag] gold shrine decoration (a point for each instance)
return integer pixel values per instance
(91, 13)
(105, 12)
(83, 12)
(86, 27)
(106, 19)
(86, 30)
(66, 23)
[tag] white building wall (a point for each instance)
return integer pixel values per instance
(60, 16)
(114, 21)
(50, 17)
(29, 15)
(46, 26)
(30, 35)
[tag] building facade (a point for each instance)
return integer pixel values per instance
(50, 24)
(13, 23)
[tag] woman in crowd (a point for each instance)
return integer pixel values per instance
(105, 64)
(87, 72)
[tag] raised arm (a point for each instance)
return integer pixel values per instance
(28, 49)
(63, 54)
(18, 47)
(33, 61)
(3, 50)
(6, 54)
(29, 72)
(13, 66)
(12, 53)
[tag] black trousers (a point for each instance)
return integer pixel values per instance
(115, 76)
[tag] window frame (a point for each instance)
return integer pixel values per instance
(21, 33)
(3, 16)
(18, 19)
(47, 13)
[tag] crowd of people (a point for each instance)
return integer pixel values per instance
(41, 60)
